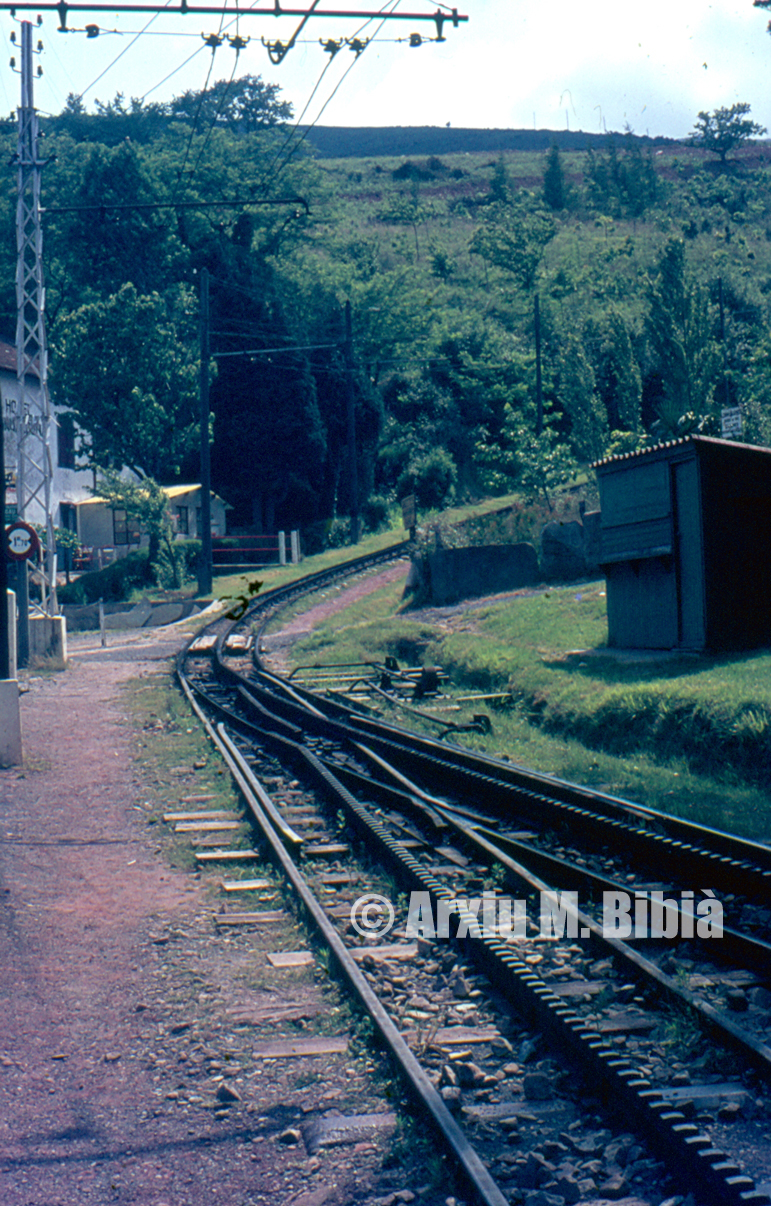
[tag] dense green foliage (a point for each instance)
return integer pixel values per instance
(725, 129)
(634, 252)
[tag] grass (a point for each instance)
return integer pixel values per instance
(688, 735)
(168, 738)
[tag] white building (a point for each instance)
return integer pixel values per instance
(69, 485)
(104, 532)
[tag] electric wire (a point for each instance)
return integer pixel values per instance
(160, 83)
(216, 117)
(194, 125)
(125, 50)
(273, 171)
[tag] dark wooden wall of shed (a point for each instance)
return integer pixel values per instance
(642, 604)
(736, 512)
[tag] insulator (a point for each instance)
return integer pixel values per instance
(331, 46)
(13, 63)
(39, 70)
(356, 45)
(277, 50)
(13, 36)
(213, 40)
(39, 46)
(92, 31)
(416, 40)
(238, 43)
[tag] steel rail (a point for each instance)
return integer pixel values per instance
(706, 1169)
(478, 1179)
(734, 872)
(492, 848)
(725, 845)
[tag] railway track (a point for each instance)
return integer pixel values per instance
(555, 945)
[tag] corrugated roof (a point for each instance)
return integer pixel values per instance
(689, 439)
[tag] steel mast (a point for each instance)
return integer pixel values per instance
(34, 468)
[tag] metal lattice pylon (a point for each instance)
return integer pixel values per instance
(34, 468)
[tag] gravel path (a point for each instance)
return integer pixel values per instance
(109, 1048)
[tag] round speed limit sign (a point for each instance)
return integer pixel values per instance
(21, 541)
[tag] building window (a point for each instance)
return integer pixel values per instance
(182, 520)
(125, 530)
(68, 517)
(66, 441)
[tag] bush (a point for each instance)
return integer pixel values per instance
(184, 566)
(115, 582)
(338, 533)
(431, 478)
(375, 513)
(326, 534)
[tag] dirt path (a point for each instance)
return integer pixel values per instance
(109, 1048)
(278, 644)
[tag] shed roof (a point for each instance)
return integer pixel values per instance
(620, 457)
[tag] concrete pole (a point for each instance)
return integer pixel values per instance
(205, 570)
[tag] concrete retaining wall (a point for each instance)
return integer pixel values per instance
(484, 570)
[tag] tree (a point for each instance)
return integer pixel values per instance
(147, 502)
(245, 105)
(537, 464)
(554, 190)
(679, 325)
(514, 237)
(724, 129)
(617, 373)
(588, 419)
(622, 185)
(128, 366)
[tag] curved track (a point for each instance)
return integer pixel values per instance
(460, 828)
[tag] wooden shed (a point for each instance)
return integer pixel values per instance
(686, 545)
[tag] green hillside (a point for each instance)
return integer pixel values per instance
(649, 265)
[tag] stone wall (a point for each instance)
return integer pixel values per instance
(569, 550)
(463, 573)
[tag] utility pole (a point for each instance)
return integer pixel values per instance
(4, 634)
(205, 571)
(34, 470)
(538, 380)
(353, 479)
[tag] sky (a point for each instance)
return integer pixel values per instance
(599, 65)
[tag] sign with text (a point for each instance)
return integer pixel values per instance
(409, 511)
(21, 541)
(731, 422)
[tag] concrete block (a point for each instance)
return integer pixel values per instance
(48, 637)
(10, 723)
(136, 617)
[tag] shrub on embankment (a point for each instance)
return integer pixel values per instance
(714, 714)
(114, 583)
(713, 737)
(118, 581)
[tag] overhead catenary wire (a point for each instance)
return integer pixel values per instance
(194, 126)
(125, 50)
(273, 171)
